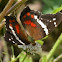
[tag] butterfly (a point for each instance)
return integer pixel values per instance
(36, 26)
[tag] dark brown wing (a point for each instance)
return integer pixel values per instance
(37, 25)
(14, 33)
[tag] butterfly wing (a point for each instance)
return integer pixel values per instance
(37, 25)
(14, 33)
(51, 20)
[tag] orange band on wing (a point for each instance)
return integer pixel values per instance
(28, 14)
(10, 21)
(29, 22)
(10, 24)
(17, 28)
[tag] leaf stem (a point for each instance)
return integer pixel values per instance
(15, 59)
(54, 48)
(9, 4)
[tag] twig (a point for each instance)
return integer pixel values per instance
(1, 25)
(56, 60)
(52, 52)
(5, 50)
(9, 4)
(0, 1)
(15, 6)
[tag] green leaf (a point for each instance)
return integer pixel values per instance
(40, 41)
(44, 59)
(24, 58)
(57, 10)
(44, 37)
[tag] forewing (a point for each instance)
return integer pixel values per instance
(14, 33)
(38, 25)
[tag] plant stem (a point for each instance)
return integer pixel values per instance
(52, 52)
(1, 59)
(8, 10)
(9, 4)
(15, 6)
(6, 50)
(57, 59)
(14, 60)
(1, 25)
(24, 57)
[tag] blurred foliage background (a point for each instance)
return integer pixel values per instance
(45, 7)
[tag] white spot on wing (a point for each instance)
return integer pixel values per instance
(15, 35)
(54, 19)
(50, 21)
(13, 41)
(43, 26)
(35, 17)
(55, 24)
(9, 39)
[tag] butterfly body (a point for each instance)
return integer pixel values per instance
(36, 26)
